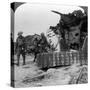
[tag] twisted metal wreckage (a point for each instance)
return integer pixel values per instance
(73, 30)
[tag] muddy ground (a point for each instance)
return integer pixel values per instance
(30, 75)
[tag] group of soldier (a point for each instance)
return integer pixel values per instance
(39, 45)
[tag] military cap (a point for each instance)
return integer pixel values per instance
(20, 33)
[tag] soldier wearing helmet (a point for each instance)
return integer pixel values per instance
(20, 48)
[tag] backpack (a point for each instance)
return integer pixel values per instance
(20, 41)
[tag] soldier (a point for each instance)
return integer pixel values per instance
(20, 48)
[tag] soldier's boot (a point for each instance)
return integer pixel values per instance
(23, 59)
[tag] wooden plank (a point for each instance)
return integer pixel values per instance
(83, 58)
(46, 60)
(59, 58)
(62, 59)
(51, 59)
(54, 59)
(66, 59)
(69, 58)
(73, 55)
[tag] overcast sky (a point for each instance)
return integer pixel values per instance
(37, 18)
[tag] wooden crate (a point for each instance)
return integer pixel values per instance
(47, 60)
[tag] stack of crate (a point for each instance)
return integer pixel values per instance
(47, 60)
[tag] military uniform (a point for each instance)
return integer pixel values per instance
(20, 49)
